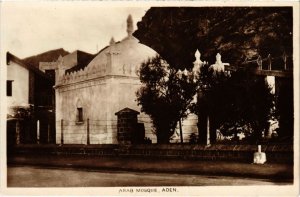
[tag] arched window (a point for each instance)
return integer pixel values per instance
(79, 112)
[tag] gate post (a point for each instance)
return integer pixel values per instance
(38, 131)
(18, 132)
(88, 132)
(62, 132)
(127, 125)
(48, 133)
(207, 132)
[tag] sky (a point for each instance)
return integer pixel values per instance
(36, 27)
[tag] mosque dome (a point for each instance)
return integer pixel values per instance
(123, 57)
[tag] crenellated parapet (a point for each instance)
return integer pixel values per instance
(108, 68)
(86, 73)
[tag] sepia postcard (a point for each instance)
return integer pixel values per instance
(149, 98)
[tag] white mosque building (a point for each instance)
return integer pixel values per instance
(89, 90)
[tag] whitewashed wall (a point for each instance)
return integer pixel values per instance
(100, 99)
(20, 85)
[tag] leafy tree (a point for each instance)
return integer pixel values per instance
(241, 101)
(238, 33)
(164, 96)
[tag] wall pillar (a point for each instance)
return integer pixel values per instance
(48, 133)
(38, 131)
(88, 132)
(62, 132)
(207, 132)
(17, 132)
(127, 125)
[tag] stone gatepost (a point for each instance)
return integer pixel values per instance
(127, 124)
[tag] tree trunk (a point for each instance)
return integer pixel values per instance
(212, 131)
(162, 137)
(162, 140)
(180, 129)
(202, 128)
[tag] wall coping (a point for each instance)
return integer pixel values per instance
(217, 147)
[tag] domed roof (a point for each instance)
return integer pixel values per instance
(126, 54)
(129, 50)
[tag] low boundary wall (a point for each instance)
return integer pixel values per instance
(242, 153)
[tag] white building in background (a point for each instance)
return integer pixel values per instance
(17, 84)
(30, 99)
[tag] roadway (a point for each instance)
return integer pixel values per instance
(30, 176)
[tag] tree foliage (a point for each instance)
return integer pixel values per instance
(237, 102)
(238, 33)
(164, 96)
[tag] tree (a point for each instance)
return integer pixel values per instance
(238, 33)
(237, 102)
(164, 96)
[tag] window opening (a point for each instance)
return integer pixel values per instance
(79, 114)
(9, 87)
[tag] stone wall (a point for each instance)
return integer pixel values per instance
(240, 153)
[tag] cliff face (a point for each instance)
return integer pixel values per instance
(235, 32)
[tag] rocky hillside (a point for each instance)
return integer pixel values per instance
(48, 56)
(235, 32)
